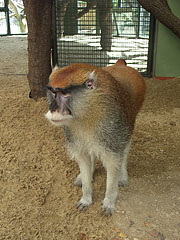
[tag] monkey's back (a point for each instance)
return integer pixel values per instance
(130, 80)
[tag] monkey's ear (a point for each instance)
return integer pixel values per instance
(91, 83)
(55, 68)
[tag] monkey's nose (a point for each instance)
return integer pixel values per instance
(66, 112)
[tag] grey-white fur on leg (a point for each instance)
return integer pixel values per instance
(78, 181)
(116, 167)
(84, 162)
(123, 180)
(113, 166)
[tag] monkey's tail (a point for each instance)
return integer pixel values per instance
(121, 62)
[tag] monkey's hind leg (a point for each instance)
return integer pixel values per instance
(84, 162)
(123, 180)
(112, 164)
(78, 181)
(116, 167)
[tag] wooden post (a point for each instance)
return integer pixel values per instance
(104, 8)
(39, 21)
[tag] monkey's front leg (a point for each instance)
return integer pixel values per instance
(78, 181)
(85, 173)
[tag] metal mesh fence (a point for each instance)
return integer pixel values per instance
(101, 32)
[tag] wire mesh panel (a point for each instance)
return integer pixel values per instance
(101, 32)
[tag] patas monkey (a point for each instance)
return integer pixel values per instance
(97, 108)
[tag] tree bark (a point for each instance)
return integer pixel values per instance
(39, 21)
(104, 8)
(161, 10)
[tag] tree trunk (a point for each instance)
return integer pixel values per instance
(104, 8)
(61, 10)
(161, 10)
(39, 21)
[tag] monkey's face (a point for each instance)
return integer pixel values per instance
(66, 102)
(59, 106)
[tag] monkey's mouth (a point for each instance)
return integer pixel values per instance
(58, 118)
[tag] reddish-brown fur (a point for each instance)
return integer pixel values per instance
(130, 80)
(73, 74)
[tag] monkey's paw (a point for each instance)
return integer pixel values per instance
(108, 207)
(123, 181)
(78, 181)
(84, 204)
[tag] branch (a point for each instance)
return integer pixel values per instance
(90, 5)
(165, 3)
(161, 10)
(14, 8)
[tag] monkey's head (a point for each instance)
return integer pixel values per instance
(69, 92)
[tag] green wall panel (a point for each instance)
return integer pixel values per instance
(167, 56)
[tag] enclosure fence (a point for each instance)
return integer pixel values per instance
(101, 32)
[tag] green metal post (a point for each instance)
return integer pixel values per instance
(54, 35)
(151, 45)
(6, 3)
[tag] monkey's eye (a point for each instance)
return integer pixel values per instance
(65, 94)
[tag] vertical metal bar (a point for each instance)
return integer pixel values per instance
(114, 16)
(6, 3)
(151, 45)
(54, 36)
(139, 21)
(119, 3)
(97, 22)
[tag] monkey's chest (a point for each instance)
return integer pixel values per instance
(84, 142)
(97, 143)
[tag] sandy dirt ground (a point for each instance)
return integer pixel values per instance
(37, 195)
